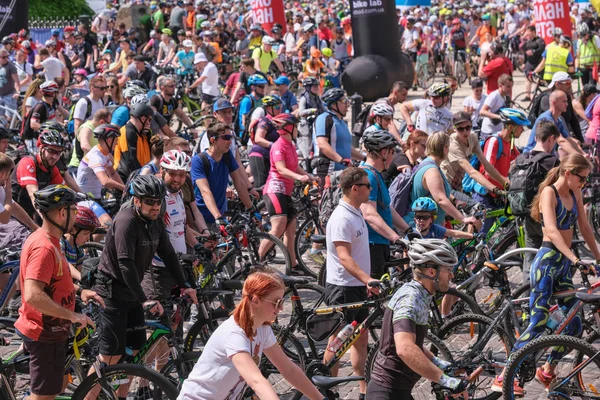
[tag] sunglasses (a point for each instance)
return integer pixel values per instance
(152, 202)
(367, 185)
(277, 303)
(3, 56)
(582, 179)
(345, 100)
(260, 86)
(101, 87)
(422, 217)
(112, 86)
(53, 152)
(226, 137)
(464, 128)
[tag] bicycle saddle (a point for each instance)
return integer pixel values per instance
(292, 280)
(588, 298)
(319, 239)
(328, 382)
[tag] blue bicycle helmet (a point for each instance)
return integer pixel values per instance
(55, 32)
(256, 80)
(424, 204)
(513, 116)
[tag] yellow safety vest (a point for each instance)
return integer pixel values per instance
(556, 60)
(588, 53)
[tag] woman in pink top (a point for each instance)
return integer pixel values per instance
(277, 192)
(593, 132)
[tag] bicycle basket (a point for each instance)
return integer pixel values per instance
(320, 326)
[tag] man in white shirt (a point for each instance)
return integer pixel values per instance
(491, 123)
(209, 79)
(348, 261)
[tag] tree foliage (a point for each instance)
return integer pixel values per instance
(58, 8)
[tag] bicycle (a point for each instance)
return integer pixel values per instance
(524, 101)
(425, 74)
(14, 121)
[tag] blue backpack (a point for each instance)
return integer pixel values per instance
(471, 185)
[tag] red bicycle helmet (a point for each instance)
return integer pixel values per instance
(49, 87)
(281, 121)
(86, 219)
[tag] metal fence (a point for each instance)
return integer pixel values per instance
(40, 28)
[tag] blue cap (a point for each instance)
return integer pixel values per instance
(222, 104)
(282, 80)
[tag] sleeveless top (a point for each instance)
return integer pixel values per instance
(418, 190)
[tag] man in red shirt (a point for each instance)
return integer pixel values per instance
(497, 66)
(324, 32)
(47, 312)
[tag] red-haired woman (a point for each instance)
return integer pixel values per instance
(232, 354)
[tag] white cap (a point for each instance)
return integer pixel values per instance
(560, 76)
(306, 18)
(200, 57)
(188, 43)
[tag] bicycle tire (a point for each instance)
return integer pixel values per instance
(160, 386)
(509, 328)
(295, 87)
(311, 296)
(322, 276)
(280, 252)
(450, 334)
(201, 329)
(464, 300)
(520, 102)
(187, 360)
(92, 249)
(304, 232)
(519, 359)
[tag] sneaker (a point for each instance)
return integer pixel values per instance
(415, 87)
(544, 378)
(317, 257)
(497, 387)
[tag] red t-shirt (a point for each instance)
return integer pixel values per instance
(493, 70)
(490, 151)
(281, 150)
(325, 34)
(42, 260)
(26, 174)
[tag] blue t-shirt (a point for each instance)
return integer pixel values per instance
(218, 180)
(289, 101)
(435, 232)
(246, 105)
(569, 57)
(120, 116)
(383, 203)
(186, 60)
(418, 190)
(545, 116)
(339, 136)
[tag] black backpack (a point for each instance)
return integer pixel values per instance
(536, 106)
(361, 121)
(206, 163)
(525, 178)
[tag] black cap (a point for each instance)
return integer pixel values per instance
(476, 83)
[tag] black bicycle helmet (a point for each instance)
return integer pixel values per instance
(106, 131)
(4, 133)
(332, 96)
(378, 140)
(142, 110)
(8, 40)
(54, 126)
(147, 186)
(137, 82)
(50, 137)
(309, 81)
(55, 196)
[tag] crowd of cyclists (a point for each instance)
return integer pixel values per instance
(143, 140)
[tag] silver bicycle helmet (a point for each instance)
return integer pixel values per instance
(432, 252)
(382, 110)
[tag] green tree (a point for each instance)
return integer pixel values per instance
(58, 8)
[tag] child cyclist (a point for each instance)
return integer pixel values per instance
(425, 210)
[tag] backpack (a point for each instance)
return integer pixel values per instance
(251, 125)
(401, 188)
(536, 108)
(469, 184)
(244, 135)
(361, 121)
(206, 163)
(126, 194)
(525, 178)
(88, 114)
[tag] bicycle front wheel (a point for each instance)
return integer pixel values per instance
(579, 358)
(303, 245)
(126, 381)
(277, 256)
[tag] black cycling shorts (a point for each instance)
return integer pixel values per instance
(462, 53)
(208, 99)
(335, 295)
(46, 366)
(378, 392)
(279, 204)
(115, 320)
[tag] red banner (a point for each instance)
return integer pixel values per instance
(268, 12)
(550, 14)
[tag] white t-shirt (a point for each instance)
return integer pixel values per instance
(513, 22)
(167, 48)
(174, 220)
(81, 108)
(2, 197)
(23, 71)
(52, 68)
(210, 85)
(347, 225)
(470, 101)
(290, 42)
(94, 161)
(495, 101)
(214, 376)
(410, 38)
(431, 119)
(31, 101)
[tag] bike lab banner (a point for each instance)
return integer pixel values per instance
(268, 12)
(550, 14)
(13, 16)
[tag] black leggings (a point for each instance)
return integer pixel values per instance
(259, 167)
(378, 392)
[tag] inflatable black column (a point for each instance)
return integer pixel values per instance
(378, 60)
(15, 14)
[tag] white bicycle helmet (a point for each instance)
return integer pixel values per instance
(268, 40)
(382, 110)
(176, 160)
(139, 98)
(583, 29)
(132, 91)
(432, 252)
